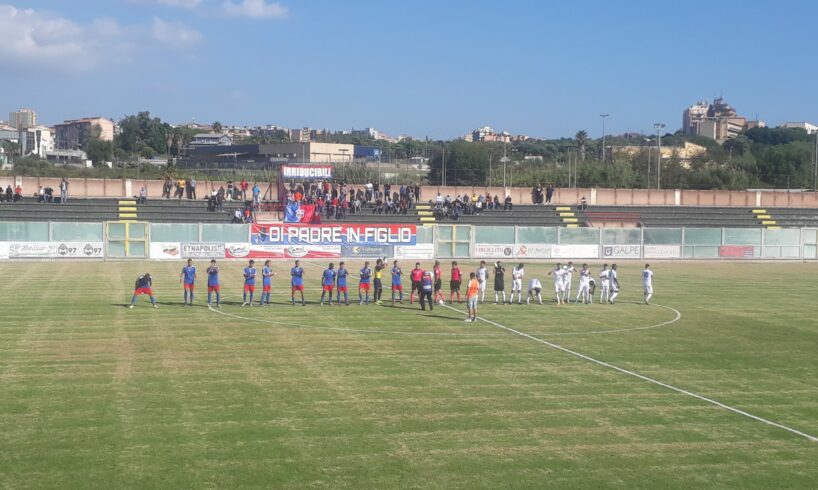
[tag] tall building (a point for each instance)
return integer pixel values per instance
(22, 118)
(74, 134)
(718, 120)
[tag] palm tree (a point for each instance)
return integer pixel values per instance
(582, 143)
(217, 127)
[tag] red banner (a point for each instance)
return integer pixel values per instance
(736, 251)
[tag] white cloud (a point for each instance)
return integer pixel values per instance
(255, 9)
(39, 40)
(185, 4)
(175, 34)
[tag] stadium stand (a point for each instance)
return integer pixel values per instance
(106, 209)
(195, 211)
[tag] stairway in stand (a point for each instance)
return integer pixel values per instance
(127, 211)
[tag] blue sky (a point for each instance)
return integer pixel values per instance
(422, 68)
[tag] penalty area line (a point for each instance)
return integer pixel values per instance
(646, 378)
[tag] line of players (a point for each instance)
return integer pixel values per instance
(427, 284)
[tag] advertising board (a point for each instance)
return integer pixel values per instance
(662, 251)
(574, 251)
(421, 251)
(532, 251)
(621, 251)
(493, 251)
(736, 251)
(166, 250)
(52, 250)
(203, 250)
(367, 251)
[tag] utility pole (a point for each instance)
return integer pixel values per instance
(659, 127)
(443, 175)
(815, 167)
(603, 116)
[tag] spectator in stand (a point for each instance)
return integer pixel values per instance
(49, 195)
(187, 188)
(143, 196)
(256, 195)
(63, 191)
(220, 199)
(439, 199)
(496, 201)
(9, 194)
(237, 216)
(507, 206)
(230, 190)
(243, 186)
(549, 192)
(166, 188)
(180, 189)
(583, 204)
(298, 196)
(193, 188)
(41, 194)
(18, 193)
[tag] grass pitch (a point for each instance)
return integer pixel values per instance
(95, 395)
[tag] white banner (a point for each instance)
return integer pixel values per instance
(621, 251)
(166, 250)
(52, 250)
(421, 251)
(575, 251)
(532, 251)
(492, 251)
(663, 251)
(203, 250)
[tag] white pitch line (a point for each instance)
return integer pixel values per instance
(353, 330)
(650, 380)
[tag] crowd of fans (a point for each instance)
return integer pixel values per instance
(11, 195)
(453, 208)
(336, 200)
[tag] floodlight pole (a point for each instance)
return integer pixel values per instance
(659, 127)
(603, 116)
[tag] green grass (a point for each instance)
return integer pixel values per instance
(95, 395)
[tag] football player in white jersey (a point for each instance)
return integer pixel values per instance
(559, 285)
(534, 290)
(647, 283)
(517, 275)
(604, 284)
(482, 278)
(567, 279)
(584, 290)
(614, 279)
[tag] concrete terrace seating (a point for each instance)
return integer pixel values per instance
(677, 216)
(523, 215)
(107, 209)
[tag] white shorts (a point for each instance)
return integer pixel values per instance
(481, 286)
(517, 285)
(472, 302)
(605, 286)
(559, 287)
(648, 288)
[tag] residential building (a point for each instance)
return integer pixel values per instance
(36, 140)
(22, 118)
(303, 135)
(9, 133)
(718, 120)
(367, 133)
(74, 134)
(211, 139)
(486, 133)
(758, 123)
(808, 127)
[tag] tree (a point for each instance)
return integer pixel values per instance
(582, 143)
(141, 130)
(217, 127)
(99, 151)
